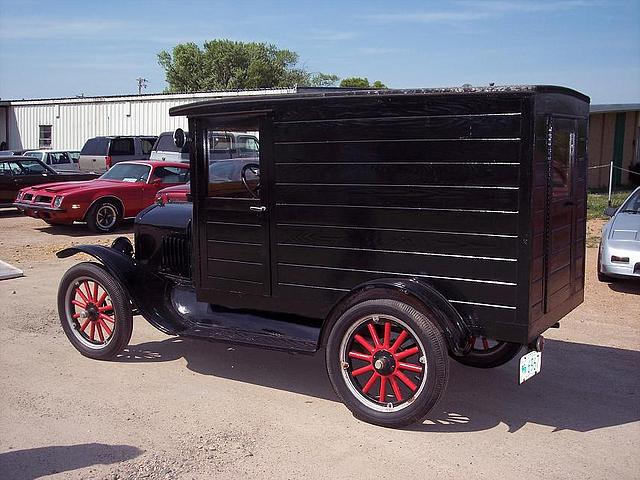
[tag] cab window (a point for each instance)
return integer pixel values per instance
(232, 175)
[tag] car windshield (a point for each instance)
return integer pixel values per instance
(632, 204)
(32, 166)
(128, 172)
(38, 155)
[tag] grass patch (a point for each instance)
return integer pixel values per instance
(597, 202)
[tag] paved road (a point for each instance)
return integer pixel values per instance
(174, 408)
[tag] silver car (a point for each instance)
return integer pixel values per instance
(619, 252)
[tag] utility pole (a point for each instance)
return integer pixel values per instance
(142, 83)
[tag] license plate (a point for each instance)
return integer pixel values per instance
(530, 364)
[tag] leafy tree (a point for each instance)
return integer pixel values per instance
(358, 82)
(229, 65)
(323, 80)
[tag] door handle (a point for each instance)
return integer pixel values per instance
(261, 208)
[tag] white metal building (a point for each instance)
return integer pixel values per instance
(67, 123)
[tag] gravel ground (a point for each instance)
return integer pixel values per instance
(175, 408)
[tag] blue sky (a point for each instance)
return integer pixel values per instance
(67, 48)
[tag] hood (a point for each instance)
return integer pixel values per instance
(186, 188)
(64, 188)
(625, 227)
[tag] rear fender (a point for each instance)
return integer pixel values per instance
(416, 293)
(149, 292)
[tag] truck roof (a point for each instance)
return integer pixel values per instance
(199, 107)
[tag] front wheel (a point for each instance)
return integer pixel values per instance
(488, 353)
(387, 362)
(104, 216)
(95, 312)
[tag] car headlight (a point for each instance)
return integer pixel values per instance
(57, 202)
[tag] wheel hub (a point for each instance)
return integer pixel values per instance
(384, 363)
(92, 312)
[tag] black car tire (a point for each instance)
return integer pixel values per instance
(433, 355)
(120, 328)
(495, 356)
(104, 216)
(601, 276)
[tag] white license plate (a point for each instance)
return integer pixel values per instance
(530, 364)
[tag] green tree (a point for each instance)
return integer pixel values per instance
(359, 82)
(229, 65)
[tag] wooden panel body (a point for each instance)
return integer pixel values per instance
(450, 189)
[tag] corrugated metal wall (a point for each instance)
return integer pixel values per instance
(74, 121)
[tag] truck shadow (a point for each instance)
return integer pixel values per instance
(38, 462)
(581, 387)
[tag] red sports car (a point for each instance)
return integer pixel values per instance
(123, 191)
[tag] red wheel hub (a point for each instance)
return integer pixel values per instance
(93, 311)
(386, 359)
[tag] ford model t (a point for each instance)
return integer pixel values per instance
(392, 229)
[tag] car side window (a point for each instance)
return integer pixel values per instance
(122, 146)
(58, 158)
(147, 145)
(171, 174)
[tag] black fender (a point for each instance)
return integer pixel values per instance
(447, 318)
(149, 292)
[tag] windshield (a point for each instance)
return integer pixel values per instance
(128, 172)
(38, 155)
(632, 204)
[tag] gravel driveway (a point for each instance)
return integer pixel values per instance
(188, 409)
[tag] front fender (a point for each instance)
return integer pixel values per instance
(148, 291)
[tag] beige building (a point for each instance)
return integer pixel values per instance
(614, 136)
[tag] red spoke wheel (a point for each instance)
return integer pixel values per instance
(488, 353)
(94, 311)
(387, 362)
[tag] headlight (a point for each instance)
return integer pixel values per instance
(57, 202)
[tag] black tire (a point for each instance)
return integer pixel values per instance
(432, 351)
(601, 276)
(492, 357)
(104, 216)
(113, 338)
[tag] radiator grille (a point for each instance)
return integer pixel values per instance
(176, 254)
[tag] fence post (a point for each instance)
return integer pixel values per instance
(610, 181)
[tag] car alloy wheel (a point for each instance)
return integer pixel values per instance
(106, 216)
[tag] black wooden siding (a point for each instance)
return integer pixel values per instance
(436, 198)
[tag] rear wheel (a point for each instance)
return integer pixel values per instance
(387, 362)
(94, 311)
(104, 216)
(488, 353)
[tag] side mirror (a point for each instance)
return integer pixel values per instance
(156, 181)
(610, 211)
(179, 138)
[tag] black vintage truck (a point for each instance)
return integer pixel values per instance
(393, 229)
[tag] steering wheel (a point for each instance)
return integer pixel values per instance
(255, 169)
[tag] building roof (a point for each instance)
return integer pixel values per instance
(615, 107)
(148, 96)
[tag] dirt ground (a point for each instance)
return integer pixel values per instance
(186, 409)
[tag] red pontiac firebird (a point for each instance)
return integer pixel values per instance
(123, 191)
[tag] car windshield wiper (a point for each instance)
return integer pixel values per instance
(628, 211)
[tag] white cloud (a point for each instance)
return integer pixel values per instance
(468, 11)
(330, 35)
(26, 28)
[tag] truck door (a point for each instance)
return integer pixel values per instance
(560, 241)
(230, 214)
